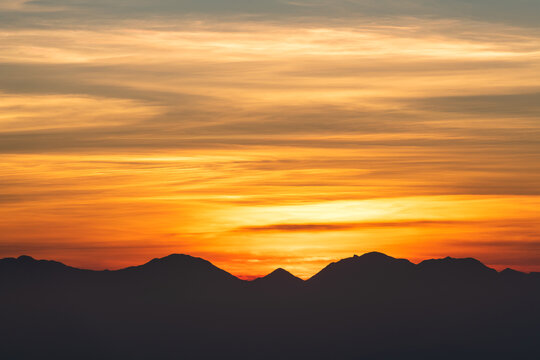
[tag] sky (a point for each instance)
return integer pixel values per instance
(264, 134)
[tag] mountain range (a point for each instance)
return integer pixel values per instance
(184, 307)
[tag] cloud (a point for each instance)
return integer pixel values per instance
(349, 226)
(489, 105)
(518, 12)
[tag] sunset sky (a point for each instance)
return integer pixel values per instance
(262, 134)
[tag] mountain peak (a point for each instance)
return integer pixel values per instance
(280, 273)
(374, 256)
(453, 269)
(512, 275)
(448, 261)
(26, 268)
(372, 259)
(369, 267)
(511, 271)
(278, 278)
(175, 258)
(26, 259)
(180, 267)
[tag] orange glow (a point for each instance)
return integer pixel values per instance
(264, 145)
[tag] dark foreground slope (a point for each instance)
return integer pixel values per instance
(180, 307)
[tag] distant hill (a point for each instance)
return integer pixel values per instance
(372, 267)
(278, 280)
(177, 269)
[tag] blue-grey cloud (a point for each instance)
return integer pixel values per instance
(520, 12)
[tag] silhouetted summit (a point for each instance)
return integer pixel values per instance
(451, 270)
(175, 275)
(511, 275)
(26, 259)
(25, 269)
(369, 268)
(181, 266)
(280, 275)
(25, 262)
(277, 279)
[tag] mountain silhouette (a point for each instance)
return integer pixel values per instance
(456, 268)
(26, 271)
(179, 306)
(179, 268)
(370, 272)
(279, 277)
(277, 282)
(26, 265)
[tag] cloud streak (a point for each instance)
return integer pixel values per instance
(348, 226)
(518, 12)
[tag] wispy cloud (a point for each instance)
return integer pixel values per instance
(348, 226)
